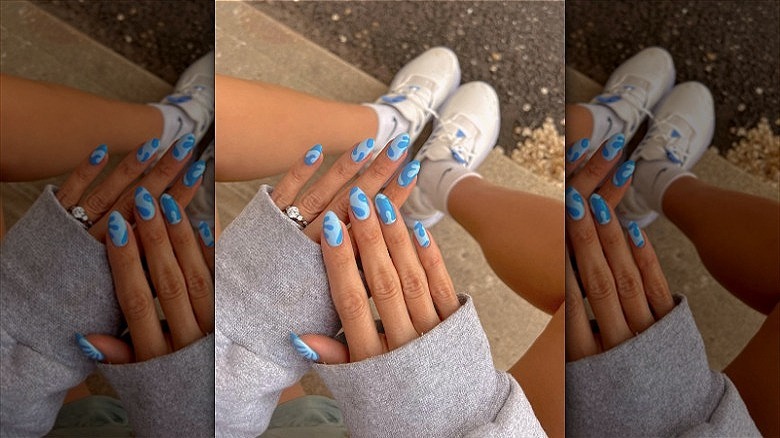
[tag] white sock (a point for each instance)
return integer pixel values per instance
(652, 178)
(605, 123)
(391, 123)
(175, 124)
(437, 178)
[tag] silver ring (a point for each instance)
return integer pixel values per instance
(80, 215)
(294, 214)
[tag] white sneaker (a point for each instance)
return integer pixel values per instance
(464, 134)
(194, 94)
(679, 133)
(636, 86)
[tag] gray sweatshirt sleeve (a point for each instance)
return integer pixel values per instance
(656, 384)
(55, 282)
(443, 384)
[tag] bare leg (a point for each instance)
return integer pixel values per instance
(47, 129)
(263, 128)
(736, 235)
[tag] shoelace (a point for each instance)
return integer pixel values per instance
(635, 97)
(667, 133)
(451, 135)
(421, 98)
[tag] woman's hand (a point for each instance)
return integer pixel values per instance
(623, 282)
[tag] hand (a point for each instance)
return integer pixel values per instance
(623, 282)
(116, 191)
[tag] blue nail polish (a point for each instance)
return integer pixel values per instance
(303, 349)
(398, 146)
(98, 154)
(600, 209)
(205, 234)
(613, 146)
(183, 147)
(194, 173)
(408, 173)
(170, 209)
(421, 235)
(636, 234)
(331, 227)
(385, 209)
(577, 150)
(147, 150)
(313, 155)
(575, 205)
(362, 150)
(359, 203)
(88, 349)
(623, 173)
(144, 203)
(117, 229)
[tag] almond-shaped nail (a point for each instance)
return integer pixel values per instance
(144, 203)
(613, 146)
(303, 349)
(205, 234)
(96, 157)
(408, 173)
(117, 229)
(88, 349)
(362, 150)
(385, 209)
(623, 173)
(313, 155)
(147, 150)
(331, 227)
(600, 209)
(636, 234)
(575, 205)
(358, 202)
(577, 150)
(421, 235)
(170, 209)
(183, 147)
(398, 146)
(194, 173)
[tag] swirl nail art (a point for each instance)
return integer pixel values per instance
(408, 173)
(421, 235)
(88, 349)
(170, 209)
(362, 150)
(577, 149)
(183, 147)
(98, 154)
(613, 146)
(398, 146)
(331, 227)
(623, 173)
(385, 209)
(359, 203)
(193, 173)
(575, 205)
(636, 234)
(147, 150)
(117, 229)
(144, 203)
(600, 209)
(303, 349)
(205, 234)
(313, 155)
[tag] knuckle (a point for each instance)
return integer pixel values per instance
(599, 285)
(441, 292)
(395, 240)
(594, 170)
(128, 169)
(313, 202)
(166, 171)
(82, 176)
(379, 172)
(200, 286)
(434, 263)
(584, 234)
(629, 286)
(384, 287)
(169, 285)
(415, 288)
(353, 304)
(344, 172)
(136, 306)
(611, 239)
(371, 237)
(156, 236)
(96, 202)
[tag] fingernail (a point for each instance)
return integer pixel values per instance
(147, 150)
(303, 349)
(385, 209)
(144, 203)
(575, 205)
(98, 154)
(170, 209)
(194, 173)
(398, 146)
(362, 150)
(408, 173)
(577, 149)
(117, 229)
(636, 234)
(183, 147)
(623, 173)
(88, 349)
(331, 227)
(613, 146)
(205, 234)
(600, 209)
(313, 155)
(421, 235)
(359, 203)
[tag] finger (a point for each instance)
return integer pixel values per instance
(164, 270)
(628, 280)
(653, 279)
(594, 271)
(132, 290)
(576, 154)
(319, 348)
(414, 283)
(346, 289)
(439, 281)
(197, 276)
(112, 350)
(293, 181)
(618, 183)
(580, 341)
(596, 169)
(207, 244)
(74, 187)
